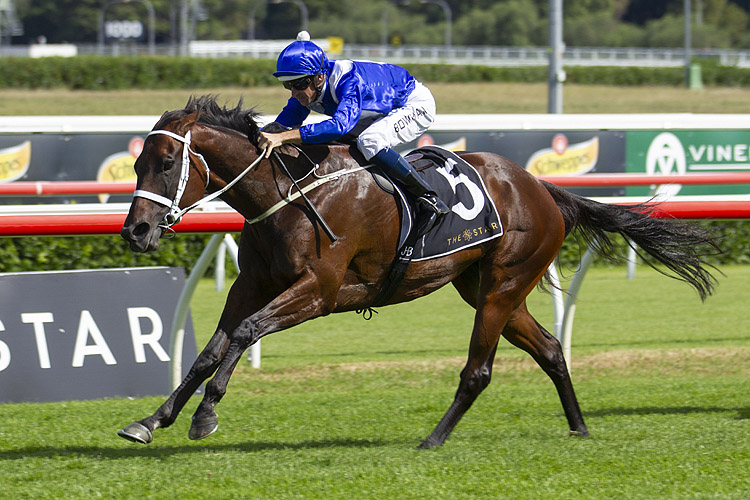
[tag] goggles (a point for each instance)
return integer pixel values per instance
(298, 84)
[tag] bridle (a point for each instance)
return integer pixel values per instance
(175, 213)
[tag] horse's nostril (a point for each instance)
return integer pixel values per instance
(135, 232)
(141, 229)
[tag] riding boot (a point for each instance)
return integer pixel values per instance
(394, 165)
(430, 206)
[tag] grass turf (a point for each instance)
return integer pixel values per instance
(340, 404)
(452, 98)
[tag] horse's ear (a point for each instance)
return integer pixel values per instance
(190, 119)
(254, 134)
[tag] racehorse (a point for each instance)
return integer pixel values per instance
(291, 272)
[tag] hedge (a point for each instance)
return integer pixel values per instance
(40, 253)
(109, 73)
(159, 72)
(46, 253)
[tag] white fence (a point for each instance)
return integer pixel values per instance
(476, 55)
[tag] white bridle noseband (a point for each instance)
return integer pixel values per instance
(175, 213)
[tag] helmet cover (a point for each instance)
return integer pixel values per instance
(300, 58)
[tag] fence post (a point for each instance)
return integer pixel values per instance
(177, 334)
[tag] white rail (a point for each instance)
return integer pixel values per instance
(474, 55)
(649, 121)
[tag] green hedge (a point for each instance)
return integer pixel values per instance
(106, 73)
(40, 253)
(45, 253)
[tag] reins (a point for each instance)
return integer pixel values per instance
(323, 223)
(175, 213)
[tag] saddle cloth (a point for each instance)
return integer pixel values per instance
(473, 218)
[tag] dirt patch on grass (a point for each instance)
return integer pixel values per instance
(706, 360)
(691, 361)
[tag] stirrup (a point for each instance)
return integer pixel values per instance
(433, 203)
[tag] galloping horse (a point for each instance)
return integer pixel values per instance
(290, 272)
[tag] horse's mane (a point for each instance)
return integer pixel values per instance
(211, 113)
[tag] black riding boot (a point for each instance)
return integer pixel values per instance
(430, 207)
(401, 171)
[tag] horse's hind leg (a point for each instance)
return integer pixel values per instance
(493, 310)
(525, 333)
(496, 287)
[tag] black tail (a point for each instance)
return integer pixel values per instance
(679, 245)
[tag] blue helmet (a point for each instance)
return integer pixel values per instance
(300, 58)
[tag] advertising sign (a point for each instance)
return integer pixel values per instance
(62, 338)
(544, 152)
(14, 161)
(69, 157)
(110, 155)
(687, 152)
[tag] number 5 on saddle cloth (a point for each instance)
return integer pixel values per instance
(473, 218)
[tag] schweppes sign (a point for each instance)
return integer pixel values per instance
(564, 159)
(118, 167)
(14, 161)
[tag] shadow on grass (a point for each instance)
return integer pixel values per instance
(742, 413)
(156, 451)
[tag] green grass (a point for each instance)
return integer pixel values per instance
(340, 404)
(613, 313)
(451, 98)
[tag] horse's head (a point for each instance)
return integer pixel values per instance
(170, 176)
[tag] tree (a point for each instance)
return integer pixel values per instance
(601, 29)
(641, 11)
(475, 22)
(59, 20)
(514, 22)
(77, 21)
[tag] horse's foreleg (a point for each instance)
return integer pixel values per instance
(241, 301)
(525, 333)
(166, 414)
(301, 302)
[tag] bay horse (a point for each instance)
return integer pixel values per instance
(291, 272)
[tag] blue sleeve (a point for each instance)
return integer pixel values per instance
(346, 116)
(293, 114)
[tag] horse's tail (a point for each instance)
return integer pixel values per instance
(679, 245)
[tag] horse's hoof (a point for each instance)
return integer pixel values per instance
(136, 432)
(428, 444)
(203, 428)
(579, 433)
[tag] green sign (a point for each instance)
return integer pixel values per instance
(688, 152)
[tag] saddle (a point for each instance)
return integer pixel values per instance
(473, 219)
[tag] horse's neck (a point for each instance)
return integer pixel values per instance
(228, 154)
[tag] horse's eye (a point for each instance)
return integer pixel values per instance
(168, 162)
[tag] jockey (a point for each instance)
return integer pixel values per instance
(349, 91)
